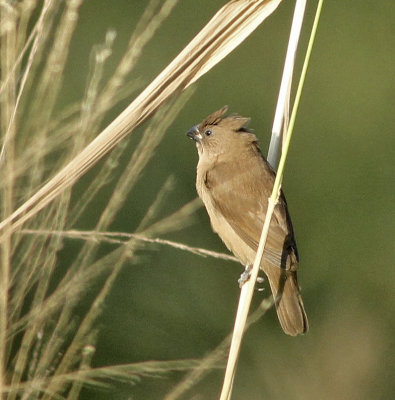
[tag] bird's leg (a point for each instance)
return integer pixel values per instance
(245, 275)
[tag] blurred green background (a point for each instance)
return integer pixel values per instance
(339, 183)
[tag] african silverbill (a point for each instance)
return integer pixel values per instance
(235, 181)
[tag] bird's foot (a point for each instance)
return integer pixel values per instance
(244, 276)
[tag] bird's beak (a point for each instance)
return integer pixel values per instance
(194, 134)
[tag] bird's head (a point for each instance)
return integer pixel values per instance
(216, 135)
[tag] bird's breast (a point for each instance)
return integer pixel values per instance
(219, 223)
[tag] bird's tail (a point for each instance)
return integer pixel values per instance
(289, 304)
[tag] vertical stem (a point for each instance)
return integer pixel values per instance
(280, 122)
(7, 103)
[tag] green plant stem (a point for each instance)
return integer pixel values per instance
(298, 95)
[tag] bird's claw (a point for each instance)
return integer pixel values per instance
(244, 276)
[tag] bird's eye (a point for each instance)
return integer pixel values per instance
(208, 132)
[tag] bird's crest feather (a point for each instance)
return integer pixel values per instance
(215, 117)
(234, 122)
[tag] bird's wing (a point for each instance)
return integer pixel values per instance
(241, 194)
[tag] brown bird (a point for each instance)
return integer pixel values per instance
(235, 181)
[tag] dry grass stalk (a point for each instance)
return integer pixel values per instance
(118, 238)
(39, 337)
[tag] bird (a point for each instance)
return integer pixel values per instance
(234, 181)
